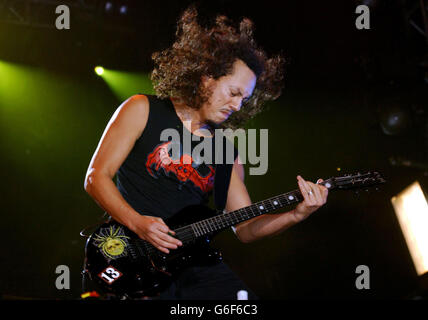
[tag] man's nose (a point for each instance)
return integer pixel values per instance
(236, 104)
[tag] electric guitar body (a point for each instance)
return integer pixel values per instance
(123, 264)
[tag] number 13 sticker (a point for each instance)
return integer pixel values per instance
(110, 274)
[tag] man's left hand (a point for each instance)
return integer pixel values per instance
(315, 196)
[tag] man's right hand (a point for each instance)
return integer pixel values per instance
(155, 231)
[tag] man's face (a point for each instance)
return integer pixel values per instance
(228, 92)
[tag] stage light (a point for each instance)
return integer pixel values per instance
(123, 9)
(99, 70)
(108, 6)
(125, 84)
(395, 121)
(411, 208)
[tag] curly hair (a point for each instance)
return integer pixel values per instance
(211, 51)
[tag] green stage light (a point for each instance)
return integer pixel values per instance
(99, 70)
(125, 84)
(31, 123)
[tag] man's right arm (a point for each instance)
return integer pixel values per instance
(124, 128)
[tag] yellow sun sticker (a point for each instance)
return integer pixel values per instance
(112, 242)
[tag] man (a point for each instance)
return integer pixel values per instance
(202, 82)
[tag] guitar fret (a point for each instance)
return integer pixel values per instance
(201, 231)
(203, 227)
(207, 225)
(252, 211)
(231, 219)
(228, 219)
(221, 222)
(195, 231)
(207, 229)
(215, 223)
(255, 211)
(239, 215)
(244, 213)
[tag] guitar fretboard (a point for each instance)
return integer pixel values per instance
(226, 220)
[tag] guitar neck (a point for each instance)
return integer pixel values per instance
(226, 220)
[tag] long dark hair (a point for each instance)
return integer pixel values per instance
(201, 51)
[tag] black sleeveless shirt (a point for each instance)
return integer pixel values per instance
(160, 176)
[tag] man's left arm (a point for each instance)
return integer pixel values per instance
(315, 195)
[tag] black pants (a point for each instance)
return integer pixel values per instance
(213, 282)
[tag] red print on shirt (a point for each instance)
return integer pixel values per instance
(159, 159)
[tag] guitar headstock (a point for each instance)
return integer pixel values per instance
(354, 181)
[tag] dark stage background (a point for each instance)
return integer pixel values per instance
(341, 83)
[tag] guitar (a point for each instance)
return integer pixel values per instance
(123, 265)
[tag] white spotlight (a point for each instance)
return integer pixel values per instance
(411, 209)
